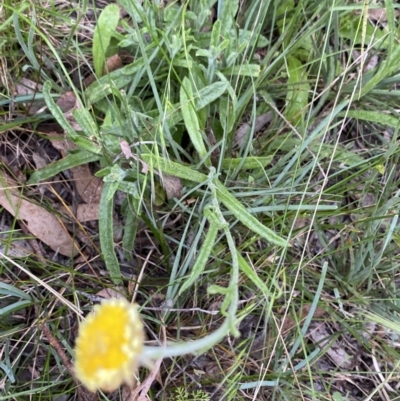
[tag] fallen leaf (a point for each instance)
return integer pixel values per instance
(172, 185)
(108, 293)
(41, 223)
(126, 150)
(84, 212)
(88, 186)
(27, 87)
(68, 102)
(259, 123)
(10, 245)
(321, 336)
(113, 63)
(289, 322)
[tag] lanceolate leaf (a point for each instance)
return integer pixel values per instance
(105, 29)
(172, 168)
(231, 203)
(190, 118)
(298, 90)
(107, 233)
(203, 255)
(70, 161)
(239, 211)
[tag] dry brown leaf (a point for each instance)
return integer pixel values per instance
(68, 102)
(59, 142)
(28, 87)
(39, 160)
(88, 186)
(289, 323)
(321, 336)
(16, 248)
(126, 150)
(84, 212)
(108, 293)
(39, 221)
(244, 129)
(172, 185)
(113, 63)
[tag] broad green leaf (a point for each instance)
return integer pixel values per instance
(86, 122)
(172, 168)
(226, 13)
(117, 79)
(204, 253)
(72, 160)
(209, 94)
(352, 29)
(61, 119)
(247, 37)
(215, 34)
(190, 118)
(239, 211)
(297, 92)
(104, 31)
(106, 231)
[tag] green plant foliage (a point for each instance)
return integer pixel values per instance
(105, 30)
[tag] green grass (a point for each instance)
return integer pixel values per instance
(282, 216)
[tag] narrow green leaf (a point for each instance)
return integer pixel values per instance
(106, 231)
(10, 290)
(252, 275)
(204, 252)
(56, 111)
(227, 113)
(373, 117)
(172, 168)
(248, 163)
(244, 70)
(104, 31)
(238, 210)
(190, 118)
(72, 160)
(14, 307)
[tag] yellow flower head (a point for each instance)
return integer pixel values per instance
(108, 345)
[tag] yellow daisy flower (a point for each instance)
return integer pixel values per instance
(108, 345)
